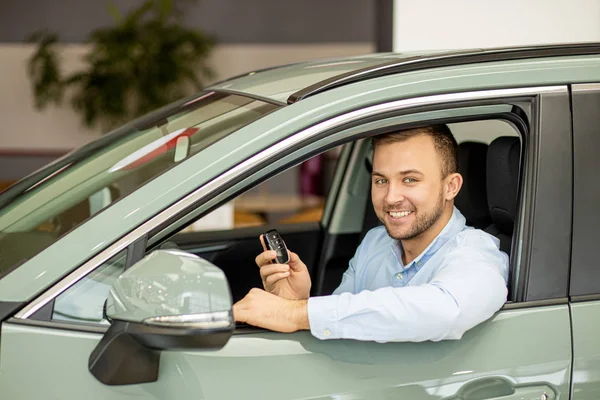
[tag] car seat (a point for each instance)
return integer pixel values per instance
(502, 188)
(472, 198)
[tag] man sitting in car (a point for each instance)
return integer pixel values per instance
(423, 275)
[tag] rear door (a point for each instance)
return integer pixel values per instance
(585, 267)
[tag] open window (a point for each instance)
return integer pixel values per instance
(227, 236)
(489, 200)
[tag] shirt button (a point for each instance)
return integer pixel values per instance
(327, 333)
(419, 263)
(398, 276)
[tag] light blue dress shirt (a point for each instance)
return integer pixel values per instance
(458, 281)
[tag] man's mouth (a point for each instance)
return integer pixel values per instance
(399, 214)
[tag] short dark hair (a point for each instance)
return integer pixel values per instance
(443, 140)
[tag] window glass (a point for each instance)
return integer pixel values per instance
(47, 208)
(84, 301)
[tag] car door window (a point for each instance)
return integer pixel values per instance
(84, 301)
(303, 202)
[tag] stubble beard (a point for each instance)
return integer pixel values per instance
(422, 223)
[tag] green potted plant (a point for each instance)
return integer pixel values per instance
(146, 60)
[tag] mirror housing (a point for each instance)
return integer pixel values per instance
(168, 300)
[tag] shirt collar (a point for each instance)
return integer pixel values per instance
(455, 225)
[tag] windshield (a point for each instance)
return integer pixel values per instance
(43, 207)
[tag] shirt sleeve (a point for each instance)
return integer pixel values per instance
(468, 288)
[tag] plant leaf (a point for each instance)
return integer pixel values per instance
(142, 62)
(43, 70)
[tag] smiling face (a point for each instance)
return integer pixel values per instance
(409, 192)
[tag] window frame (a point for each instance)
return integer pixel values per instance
(585, 274)
(220, 189)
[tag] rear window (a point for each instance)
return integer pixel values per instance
(45, 206)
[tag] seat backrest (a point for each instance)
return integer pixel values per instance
(503, 160)
(472, 197)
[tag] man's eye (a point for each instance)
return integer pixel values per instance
(409, 180)
(380, 181)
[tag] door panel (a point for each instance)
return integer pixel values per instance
(586, 350)
(234, 251)
(526, 350)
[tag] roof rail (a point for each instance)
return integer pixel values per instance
(445, 59)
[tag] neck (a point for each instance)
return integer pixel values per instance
(411, 248)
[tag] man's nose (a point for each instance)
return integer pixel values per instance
(395, 193)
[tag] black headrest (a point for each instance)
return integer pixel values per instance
(502, 181)
(472, 198)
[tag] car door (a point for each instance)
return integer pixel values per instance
(524, 351)
(585, 275)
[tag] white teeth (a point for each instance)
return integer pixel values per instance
(399, 214)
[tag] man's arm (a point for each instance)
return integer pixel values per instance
(466, 291)
(269, 311)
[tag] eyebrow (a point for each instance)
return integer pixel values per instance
(406, 172)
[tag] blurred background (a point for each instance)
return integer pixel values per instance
(248, 35)
(235, 37)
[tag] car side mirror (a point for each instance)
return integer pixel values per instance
(168, 300)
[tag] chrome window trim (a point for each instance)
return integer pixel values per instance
(271, 152)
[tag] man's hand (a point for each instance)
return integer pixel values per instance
(272, 312)
(290, 281)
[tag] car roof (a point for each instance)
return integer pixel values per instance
(294, 82)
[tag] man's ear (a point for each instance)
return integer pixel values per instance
(453, 183)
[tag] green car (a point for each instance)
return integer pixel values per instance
(120, 262)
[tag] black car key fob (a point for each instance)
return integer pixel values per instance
(273, 241)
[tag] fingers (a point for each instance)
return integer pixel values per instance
(294, 258)
(262, 241)
(273, 278)
(265, 257)
(270, 269)
(295, 263)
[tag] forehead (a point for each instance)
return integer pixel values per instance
(415, 153)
